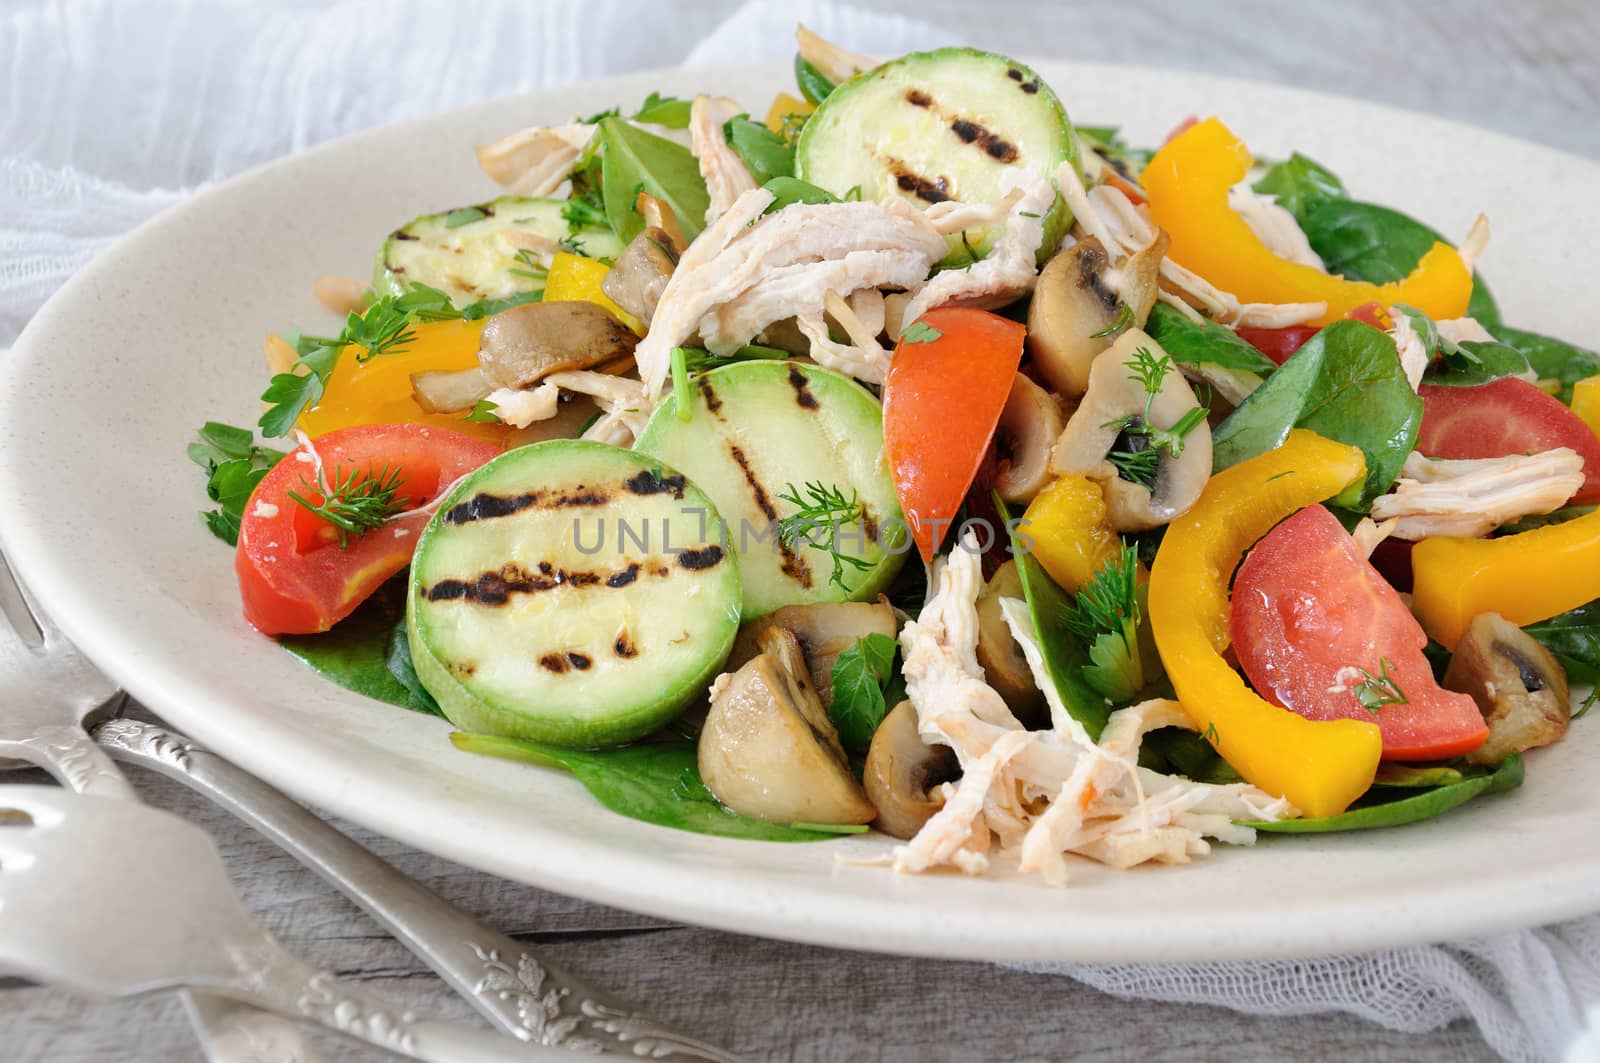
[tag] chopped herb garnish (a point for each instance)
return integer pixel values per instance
(483, 412)
(356, 503)
(581, 213)
(464, 216)
(1151, 372)
(1124, 316)
(920, 332)
(682, 400)
(1376, 691)
(234, 464)
(862, 677)
(1136, 466)
(1210, 733)
(823, 509)
(1106, 614)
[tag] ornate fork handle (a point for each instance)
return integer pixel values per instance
(515, 989)
(74, 759)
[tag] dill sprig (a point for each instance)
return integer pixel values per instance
(1139, 464)
(357, 503)
(1376, 691)
(1106, 615)
(822, 508)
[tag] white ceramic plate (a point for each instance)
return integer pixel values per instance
(98, 510)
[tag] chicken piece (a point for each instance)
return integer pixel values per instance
(521, 407)
(1010, 269)
(1414, 354)
(623, 402)
(1473, 497)
(1274, 226)
(832, 62)
(949, 836)
(1462, 329)
(766, 259)
(953, 216)
(534, 161)
(1368, 533)
(726, 175)
(1477, 240)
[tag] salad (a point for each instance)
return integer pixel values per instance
(906, 457)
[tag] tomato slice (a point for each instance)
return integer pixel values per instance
(948, 381)
(1505, 416)
(1309, 612)
(1278, 343)
(294, 578)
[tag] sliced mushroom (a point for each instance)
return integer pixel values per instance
(785, 335)
(441, 391)
(768, 749)
(573, 412)
(1520, 688)
(1029, 426)
(998, 653)
(657, 215)
(1116, 399)
(1078, 306)
(522, 345)
(901, 772)
(824, 631)
(641, 273)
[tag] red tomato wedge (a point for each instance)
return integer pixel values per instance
(293, 576)
(948, 381)
(1278, 343)
(1309, 613)
(1505, 416)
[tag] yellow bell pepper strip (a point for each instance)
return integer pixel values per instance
(1187, 186)
(784, 105)
(1526, 578)
(378, 390)
(1586, 402)
(575, 279)
(1319, 766)
(1070, 531)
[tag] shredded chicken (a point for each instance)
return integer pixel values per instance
(727, 177)
(1045, 794)
(953, 216)
(1009, 270)
(836, 64)
(521, 407)
(1477, 240)
(1274, 226)
(1368, 533)
(1463, 329)
(1473, 497)
(1414, 354)
(536, 161)
(623, 403)
(750, 269)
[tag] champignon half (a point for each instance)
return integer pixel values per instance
(641, 273)
(823, 629)
(903, 770)
(999, 656)
(1029, 426)
(1116, 400)
(768, 749)
(1080, 303)
(1519, 686)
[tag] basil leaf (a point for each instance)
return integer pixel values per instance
(1574, 637)
(1414, 809)
(1373, 243)
(1345, 383)
(1064, 655)
(1474, 362)
(633, 161)
(766, 154)
(656, 782)
(1551, 358)
(860, 676)
(1300, 185)
(357, 653)
(813, 86)
(669, 111)
(1203, 342)
(787, 190)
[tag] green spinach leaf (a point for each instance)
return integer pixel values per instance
(656, 782)
(766, 154)
(633, 161)
(361, 653)
(1300, 185)
(787, 190)
(1574, 637)
(1203, 342)
(1474, 362)
(862, 675)
(669, 111)
(1373, 243)
(1345, 383)
(813, 86)
(1507, 775)
(1175, 751)
(1551, 358)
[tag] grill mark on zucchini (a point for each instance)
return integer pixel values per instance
(707, 392)
(993, 145)
(802, 392)
(561, 663)
(485, 506)
(918, 98)
(793, 565)
(1030, 87)
(702, 558)
(653, 483)
(908, 180)
(623, 578)
(624, 647)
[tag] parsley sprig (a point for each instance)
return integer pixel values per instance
(234, 464)
(1140, 463)
(1106, 615)
(357, 503)
(865, 688)
(1376, 691)
(822, 509)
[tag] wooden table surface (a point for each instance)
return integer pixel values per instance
(1526, 68)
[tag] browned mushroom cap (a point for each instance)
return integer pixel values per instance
(522, 345)
(442, 391)
(998, 653)
(768, 749)
(641, 273)
(1519, 686)
(901, 770)
(824, 630)
(1029, 426)
(1078, 308)
(1115, 395)
(657, 215)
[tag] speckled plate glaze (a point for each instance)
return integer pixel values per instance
(163, 332)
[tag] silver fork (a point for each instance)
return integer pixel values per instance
(72, 870)
(48, 692)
